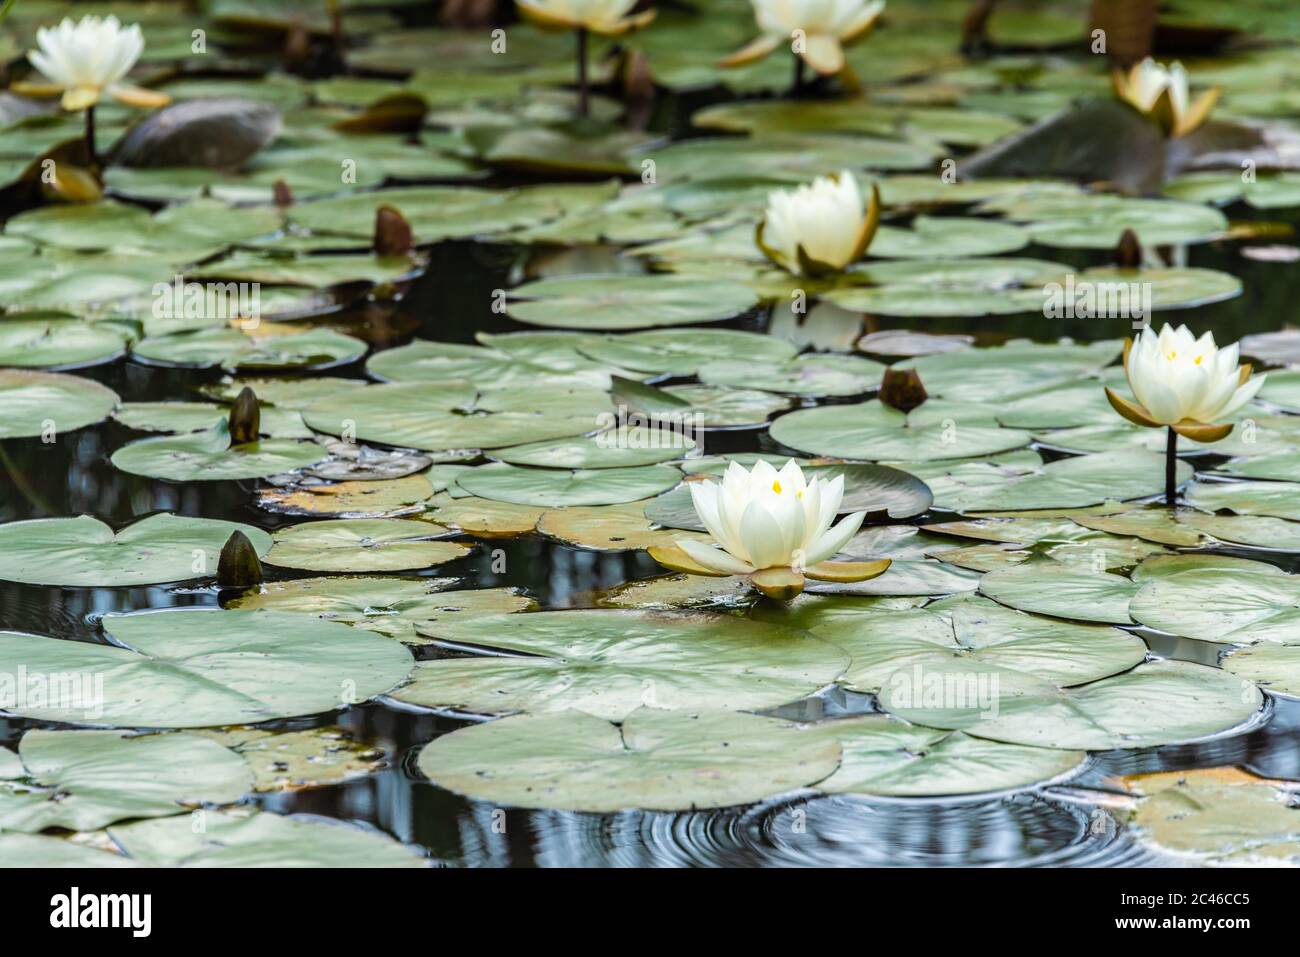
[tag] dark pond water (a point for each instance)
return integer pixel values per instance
(1060, 825)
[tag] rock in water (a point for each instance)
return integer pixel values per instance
(217, 133)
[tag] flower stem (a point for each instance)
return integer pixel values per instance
(797, 88)
(90, 134)
(584, 106)
(1171, 467)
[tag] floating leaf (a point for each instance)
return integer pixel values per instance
(40, 403)
(209, 456)
(1051, 589)
(628, 302)
(558, 488)
(362, 545)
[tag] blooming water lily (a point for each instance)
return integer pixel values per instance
(775, 526)
(820, 227)
(1161, 93)
(1185, 384)
(817, 30)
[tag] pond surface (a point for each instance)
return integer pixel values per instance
(1080, 819)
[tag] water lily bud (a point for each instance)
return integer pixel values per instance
(1128, 253)
(245, 420)
(238, 566)
(902, 389)
(393, 236)
(821, 227)
(281, 194)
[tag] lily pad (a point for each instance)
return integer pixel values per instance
(47, 403)
(296, 760)
(1276, 499)
(84, 780)
(578, 762)
(193, 669)
(628, 302)
(609, 663)
(680, 352)
(557, 488)
(362, 545)
(394, 607)
(623, 447)
(1051, 589)
(811, 375)
(208, 456)
(85, 552)
(55, 343)
(1246, 604)
(1157, 703)
(232, 349)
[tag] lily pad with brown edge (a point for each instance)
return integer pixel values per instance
(362, 545)
(627, 302)
(666, 592)
(234, 350)
(484, 517)
(608, 663)
(611, 527)
(872, 430)
(85, 552)
(1162, 525)
(48, 403)
(395, 607)
(1244, 604)
(1156, 703)
(1048, 588)
(298, 760)
(195, 668)
(1223, 816)
(84, 780)
(652, 760)
(209, 456)
(885, 757)
(388, 498)
(559, 488)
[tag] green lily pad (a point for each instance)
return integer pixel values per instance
(1242, 605)
(1096, 221)
(260, 839)
(1276, 499)
(654, 761)
(949, 287)
(1051, 589)
(424, 361)
(885, 757)
(557, 488)
(395, 607)
(680, 352)
(874, 431)
(610, 527)
(1156, 703)
(54, 343)
(362, 545)
(947, 237)
(609, 663)
(47, 403)
(208, 456)
(84, 552)
(204, 668)
(232, 349)
(1273, 667)
(84, 780)
(811, 375)
(1011, 371)
(628, 302)
(200, 416)
(623, 447)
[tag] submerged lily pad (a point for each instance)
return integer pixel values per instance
(675, 761)
(83, 780)
(83, 551)
(362, 545)
(610, 663)
(193, 669)
(47, 403)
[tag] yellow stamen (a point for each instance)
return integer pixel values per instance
(1198, 359)
(776, 486)
(1171, 356)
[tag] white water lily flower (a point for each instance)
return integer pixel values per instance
(819, 227)
(1185, 383)
(824, 28)
(87, 59)
(769, 519)
(1162, 93)
(606, 17)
